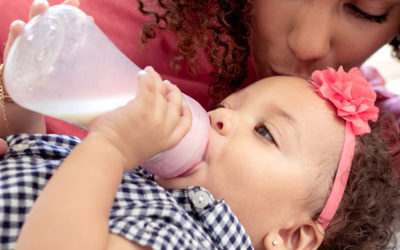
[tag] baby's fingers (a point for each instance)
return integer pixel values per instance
(174, 95)
(37, 8)
(175, 101)
(150, 84)
(154, 81)
(183, 126)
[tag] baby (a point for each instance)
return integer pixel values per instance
(274, 174)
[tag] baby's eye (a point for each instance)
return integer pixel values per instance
(222, 105)
(219, 105)
(262, 130)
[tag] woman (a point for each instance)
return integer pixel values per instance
(226, 43)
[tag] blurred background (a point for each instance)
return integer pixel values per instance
(388, 67)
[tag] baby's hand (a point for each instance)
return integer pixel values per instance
(156, 120)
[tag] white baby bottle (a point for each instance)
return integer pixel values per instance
(62, 65)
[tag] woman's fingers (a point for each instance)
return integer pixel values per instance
(40, 6)
(3, 147)
(72, 2)
(75, 3)
(37, 8)
(16, 28)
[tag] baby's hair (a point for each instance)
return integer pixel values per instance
(369, 211)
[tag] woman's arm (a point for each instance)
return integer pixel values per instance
(14, 118)
(72, 211)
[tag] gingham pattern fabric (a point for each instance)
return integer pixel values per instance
(24, 171)
(142, 211)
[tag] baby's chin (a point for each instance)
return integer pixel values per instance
(194, 177)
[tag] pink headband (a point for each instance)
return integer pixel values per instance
(354, 100)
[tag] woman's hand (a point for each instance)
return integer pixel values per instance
(37, 8)
(156, 120)
(14, 118)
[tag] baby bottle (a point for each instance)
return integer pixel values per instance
(62, 65)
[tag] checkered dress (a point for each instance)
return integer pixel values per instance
(142, 211)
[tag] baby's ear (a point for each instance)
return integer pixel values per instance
(301, 237)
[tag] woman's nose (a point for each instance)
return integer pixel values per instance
(311, 34)
(222, 120)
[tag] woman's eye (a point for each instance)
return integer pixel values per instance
(262, 130)
(366, 16)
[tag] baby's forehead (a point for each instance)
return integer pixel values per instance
(280, 83)
(281, 90)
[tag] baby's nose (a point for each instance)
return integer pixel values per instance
(222, 121)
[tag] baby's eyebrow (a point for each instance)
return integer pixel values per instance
(292, 121)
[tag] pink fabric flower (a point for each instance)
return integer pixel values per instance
(351, 94)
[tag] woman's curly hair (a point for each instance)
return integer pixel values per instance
(368, 214)
(222, 31)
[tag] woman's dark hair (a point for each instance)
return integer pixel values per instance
(368, 214)
(222, 31)
(396, 46)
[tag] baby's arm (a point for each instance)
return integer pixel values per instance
(72, 211)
